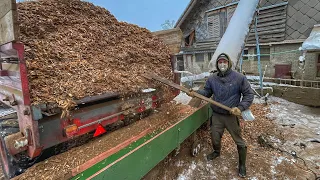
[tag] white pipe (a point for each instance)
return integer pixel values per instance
(234, 38)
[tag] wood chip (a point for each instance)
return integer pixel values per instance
(75, 49)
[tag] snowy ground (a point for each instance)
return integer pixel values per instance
(297, 133)
(301, 126)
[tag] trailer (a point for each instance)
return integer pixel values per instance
(131, 157)
(34, 128)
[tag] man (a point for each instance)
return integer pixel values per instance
(227, 86)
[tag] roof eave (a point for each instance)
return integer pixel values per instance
(185, 13)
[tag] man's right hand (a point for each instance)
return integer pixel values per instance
(190, 93)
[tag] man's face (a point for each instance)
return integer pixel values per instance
(223, 65)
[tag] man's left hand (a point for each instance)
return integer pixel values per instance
(236, 111)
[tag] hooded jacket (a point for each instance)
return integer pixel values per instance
(227, 89)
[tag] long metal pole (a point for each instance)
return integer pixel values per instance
(241, 60)
(258, 52)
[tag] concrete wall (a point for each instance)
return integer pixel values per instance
(251, 66)
(304, 96)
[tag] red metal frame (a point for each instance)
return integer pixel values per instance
(16, 89)
(21, 95)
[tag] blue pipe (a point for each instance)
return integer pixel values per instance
(258, 52)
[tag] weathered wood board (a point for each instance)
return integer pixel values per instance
(9, 28)
(172, 38)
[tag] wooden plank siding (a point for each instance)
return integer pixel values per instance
(9, 27)
(271, 25)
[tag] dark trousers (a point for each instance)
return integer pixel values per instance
(218, 123)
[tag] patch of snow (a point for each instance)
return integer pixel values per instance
(313, 41)
(274, 139)
(195, 77)
(148, 90)
(287, 113)
(187, 174)
(279, 160)
(179, 163)
(182, 98)
(253, 178)
(273, 171)
(256, 78)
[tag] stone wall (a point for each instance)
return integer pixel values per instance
(251, 66)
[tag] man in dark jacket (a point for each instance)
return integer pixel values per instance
(226, 86)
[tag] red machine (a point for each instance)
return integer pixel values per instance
(26, 133)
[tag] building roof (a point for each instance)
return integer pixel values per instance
(185, 13)
(301, 15)
(312, 43)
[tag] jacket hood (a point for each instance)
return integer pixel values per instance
(226, 57)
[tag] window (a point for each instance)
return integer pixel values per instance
(210, 56)
(189, 40)
(214, 24)
(263, 50)
(245, 52)
(180, 63)
(200, 57)
(218, 20)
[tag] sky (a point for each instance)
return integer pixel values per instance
(149, 14)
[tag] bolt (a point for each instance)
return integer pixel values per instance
(26, 112)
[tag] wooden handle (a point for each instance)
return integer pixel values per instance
(211, 101)
(186, 90)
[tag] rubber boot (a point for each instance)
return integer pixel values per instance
(213, 155)
(242, 151)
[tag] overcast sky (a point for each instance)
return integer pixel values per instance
(145, 13)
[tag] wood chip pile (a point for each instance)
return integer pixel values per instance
(75, 49)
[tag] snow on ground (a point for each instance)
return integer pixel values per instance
(182, 98)
(300, 126)
(291, 114)
(303, 121)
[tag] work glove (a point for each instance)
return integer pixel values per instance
(235, 111)
(190, 93)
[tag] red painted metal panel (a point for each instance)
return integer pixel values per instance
(9, 73)
(15, 86)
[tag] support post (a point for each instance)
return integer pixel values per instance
(258, 52)
(241, 60)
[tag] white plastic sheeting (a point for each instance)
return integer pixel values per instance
(312, 43)
(234, 38)
(195, 77)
